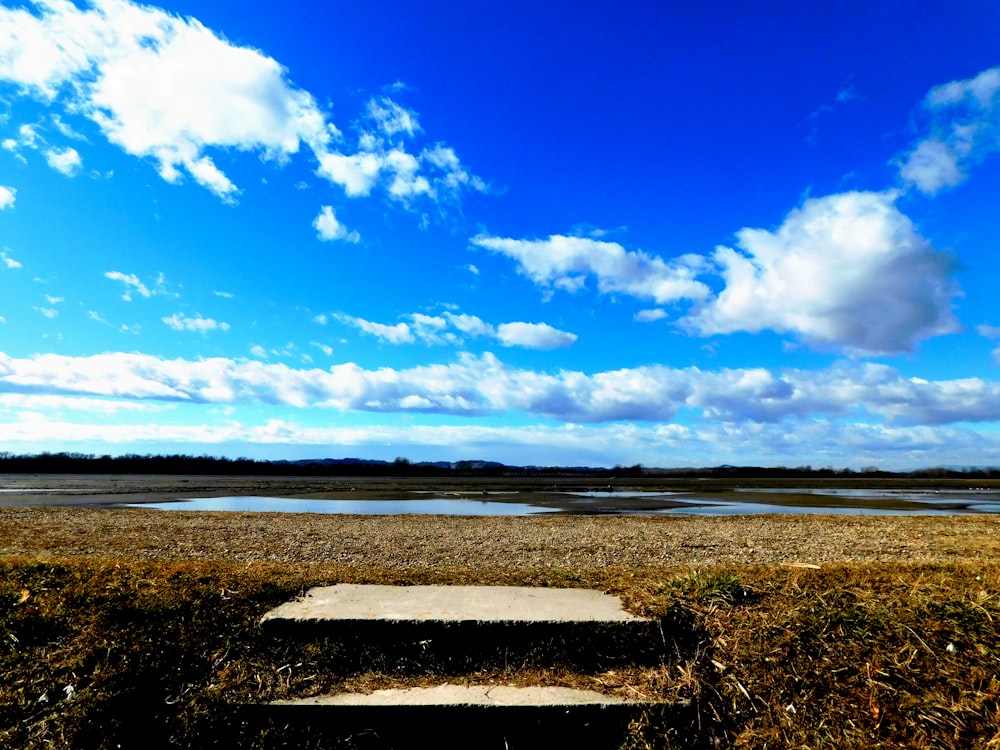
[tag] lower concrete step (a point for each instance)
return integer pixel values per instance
(494, 696)
(458, 716)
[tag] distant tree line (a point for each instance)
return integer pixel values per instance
(83, 463)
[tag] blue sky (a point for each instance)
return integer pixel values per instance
(540, 233)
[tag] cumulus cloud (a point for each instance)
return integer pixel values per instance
(843, 271)
(450, 327)
(565, 262)
(963, 128)
(169, 89)
(197, 324)
(847, 272)
(7, 197)
(329, 228)
(67, 161)
(159, 86)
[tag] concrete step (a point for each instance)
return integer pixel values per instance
(452, 604)
(462, 629)
(454, 716)
(494, 696)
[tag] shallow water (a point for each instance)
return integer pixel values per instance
(775, 501)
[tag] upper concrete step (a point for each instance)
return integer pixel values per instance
(451, 604)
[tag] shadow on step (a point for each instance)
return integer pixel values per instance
(442, 647)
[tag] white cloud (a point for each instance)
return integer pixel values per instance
(7, 197)
(14, 401)
(132, 284)
(481, 385)
(470, 324)
(932, 165)
(356, 174)
(9, 262)
(534, 336)
(48, 312)
(169, 89)
(325, 348)
(820, 443)
(66, 129)
(54, 300)
(160, 86)
(399, 333)
(392, 118)
(224, 295)
(565, 263)
(2, 319)
(847, 271)
(197, 324)
(328, 228)
(990, 332)
(448, 328)
(649, 316)
(963, 128)
(436, 173)
(258, 351)
(432, 329)
(66, 161)
(453, 177)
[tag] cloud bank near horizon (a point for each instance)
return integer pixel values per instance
(473, 386)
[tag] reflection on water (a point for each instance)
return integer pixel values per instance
(448, 507)
(730, 503)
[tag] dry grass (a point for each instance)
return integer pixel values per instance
(431, 543)
(107, 640)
